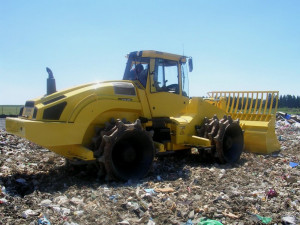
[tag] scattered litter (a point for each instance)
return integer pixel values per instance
(28, 213)
(164, 190)
(151, 222)
(293, 164)
(78, 213)
(3, 201)
(65, 211)
(150, 191)
(189, 222)
(264, 220)
(43, 220)
(206, 221)
(124, 222)
(230, 215)
(177, 190)
(2, 190)
(272, 193)
(46, 202)
(289, 220)
(290, 179)
(76, 201)
(113, 197)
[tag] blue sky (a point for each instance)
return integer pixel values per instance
(235, 45)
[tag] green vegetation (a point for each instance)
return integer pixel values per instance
(10, 109)
(294, 111)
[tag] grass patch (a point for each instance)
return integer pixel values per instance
(295, 111)
(10, 109)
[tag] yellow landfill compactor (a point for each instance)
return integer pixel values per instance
(121, 125)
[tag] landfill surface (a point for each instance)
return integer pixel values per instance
(38, 187)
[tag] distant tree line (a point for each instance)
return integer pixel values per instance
(289, 101)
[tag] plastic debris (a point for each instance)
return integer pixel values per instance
(289, 220)
(65, 211)
(43, 220)
(2, 190)
(206, 221)
(78, 213)
(3, 201)
(124, 222)
(272, 193)
(264, 220)
(189, 222)
(293, 164)
(46, 202)
(28, 213)
(151, 222)
(113, 198)
(150, 191)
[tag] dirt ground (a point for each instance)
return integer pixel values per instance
(178, 190)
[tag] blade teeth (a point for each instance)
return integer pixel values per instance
(237, 121)
(138, 124)
(230, 119)
(120, 124)
(107, 138)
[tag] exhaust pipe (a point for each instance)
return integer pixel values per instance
(51, 86)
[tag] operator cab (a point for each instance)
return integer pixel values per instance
(164, 78)
(163, 72)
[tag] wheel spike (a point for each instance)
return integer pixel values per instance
(138, 124)
(126, 151)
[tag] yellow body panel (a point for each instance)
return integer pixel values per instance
(46, 135)
(164, 104)
(69, 136)
(184, 125)
(259, 136)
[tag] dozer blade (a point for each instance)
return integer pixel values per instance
(256, 111)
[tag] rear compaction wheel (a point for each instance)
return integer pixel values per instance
(123, 150)
(226, 136)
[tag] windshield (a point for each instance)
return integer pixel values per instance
(165, 77)
(137, 69)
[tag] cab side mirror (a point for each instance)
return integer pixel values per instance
(190, 64)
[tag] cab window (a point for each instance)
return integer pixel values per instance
(185, 80)
(137, 69)
(165, 77)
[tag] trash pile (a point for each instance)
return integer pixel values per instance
(38, 187)
(288, 119)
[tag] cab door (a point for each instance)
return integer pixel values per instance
(164, 91)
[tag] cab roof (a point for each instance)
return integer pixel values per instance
(156, 54)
